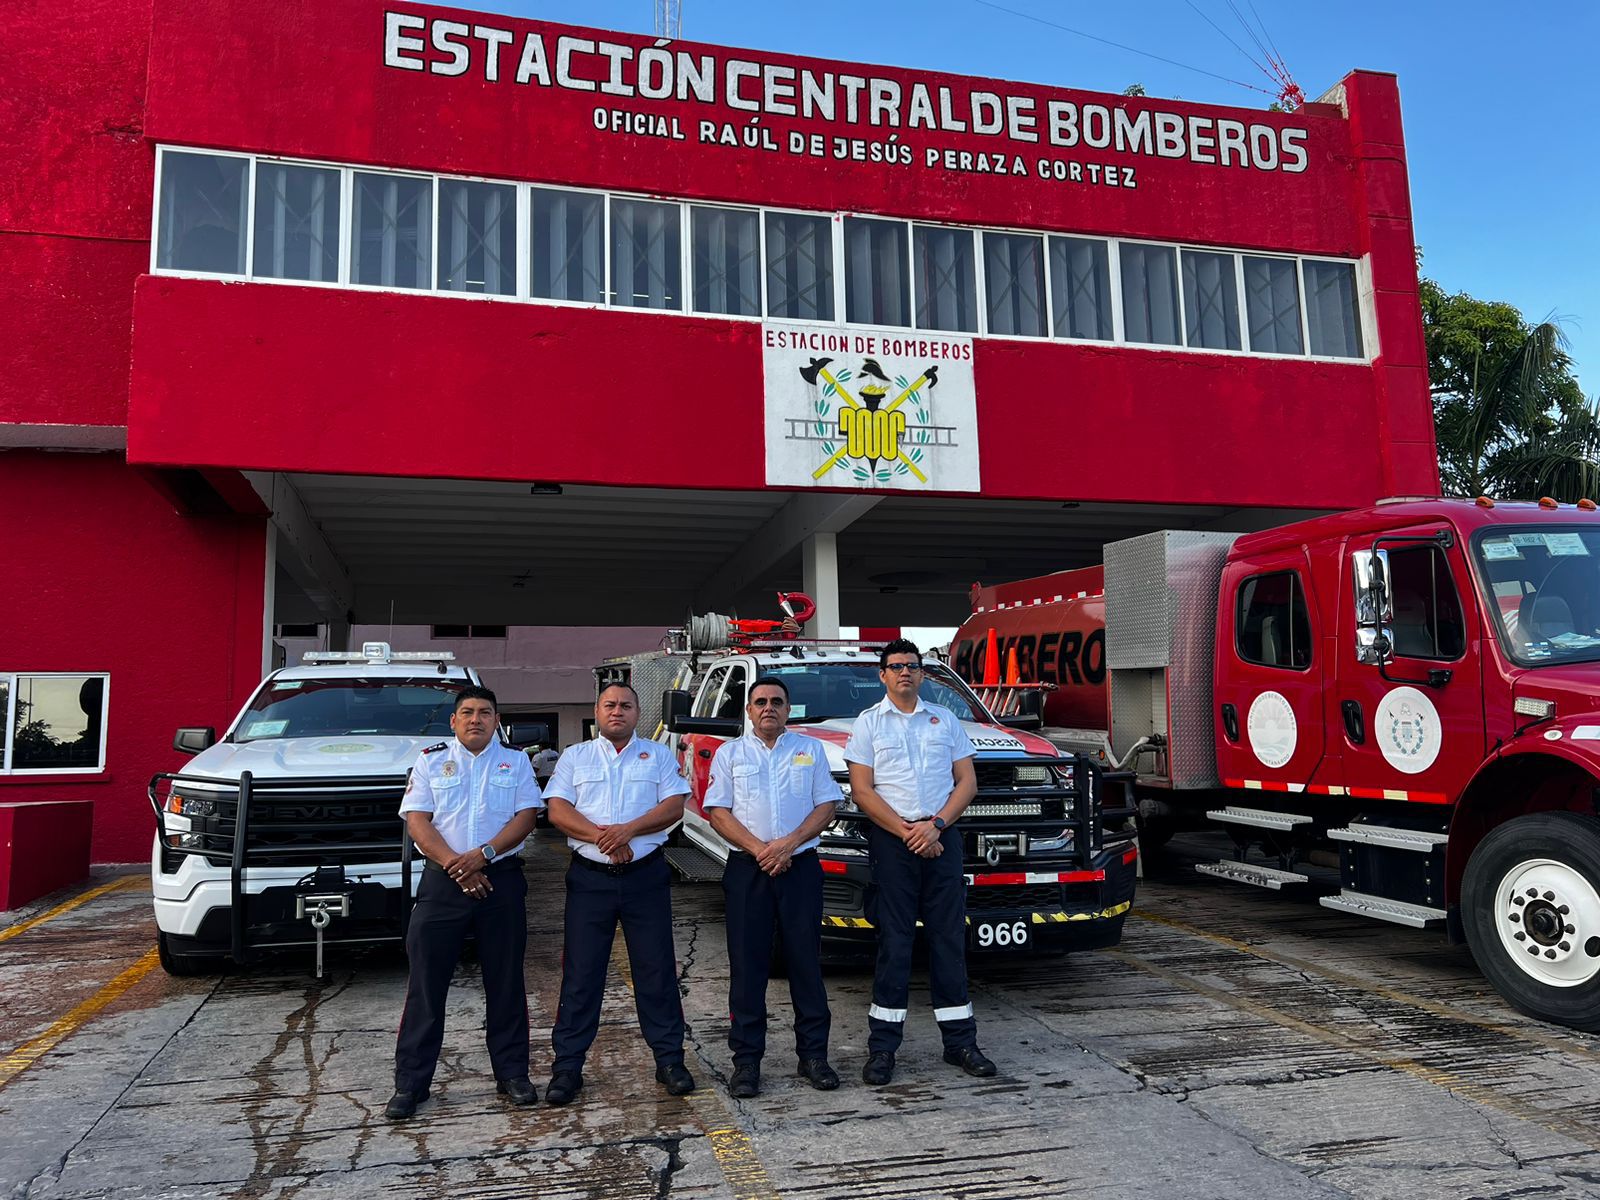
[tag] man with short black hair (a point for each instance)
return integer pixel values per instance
(615, 797)
(911, 773)
(769, 798)
(469, 806)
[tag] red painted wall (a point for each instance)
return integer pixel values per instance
(171, 606)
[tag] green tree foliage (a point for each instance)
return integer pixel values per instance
(1510, 418)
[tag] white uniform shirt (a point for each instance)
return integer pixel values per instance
(544, 762)
(472, 796)
(771, 792)
(912, 755)
(611, 787)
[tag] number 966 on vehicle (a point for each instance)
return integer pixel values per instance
(999, 934)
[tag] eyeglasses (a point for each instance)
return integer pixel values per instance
(913, 667)
(765, 702)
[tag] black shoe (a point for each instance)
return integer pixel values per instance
(971, 1060)
(746, 1081)
(819, 1074)
(879, 1069)
(564, 1085)
(518, 1091)
(675, 1078)
(403, 1104)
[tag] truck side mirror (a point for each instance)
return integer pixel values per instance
(194, 740)
(675, 706)
(1030, 710)
(1374, 606)
(522, 734)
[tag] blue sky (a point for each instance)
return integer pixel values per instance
(1500, 128)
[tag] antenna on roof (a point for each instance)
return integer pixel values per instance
(669, 18)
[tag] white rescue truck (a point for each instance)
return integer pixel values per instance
(1049, 870)
(286, 831)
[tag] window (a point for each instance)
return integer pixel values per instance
(947, 279)
(646, 262)
(1427, 611)
(469, 631)
(1150, 294)
(727, 261)
(53, 722)
(477, 237)
(1080, 281)
(706, 703)
(1013, 282)
(1274, 628)
(733, 695)
(876, 287)
(799, 267)
(569, 251)
(392, 241)
(1272, 305)
(1331, 313)
(297, 222)
(202, 221)
(298, 630)
(1210, 300)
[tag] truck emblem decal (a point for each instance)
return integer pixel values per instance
(1409, 731)
(1272, 728)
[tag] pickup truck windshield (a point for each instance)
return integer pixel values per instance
(821, 691)
(1544, 588)
(289, 708)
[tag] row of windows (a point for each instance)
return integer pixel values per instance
(53, 722)
(263, 219)
(1273, 620)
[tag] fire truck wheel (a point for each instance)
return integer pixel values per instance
(1530, 902)
(184, 966)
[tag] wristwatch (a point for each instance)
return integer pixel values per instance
(938, 823)
(487, 850)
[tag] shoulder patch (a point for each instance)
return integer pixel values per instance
(440, 746)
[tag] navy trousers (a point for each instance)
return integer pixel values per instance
(757, 905)
(640, 900)
(440, 921)
(906, 887)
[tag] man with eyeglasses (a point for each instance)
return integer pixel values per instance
(911, 773)
(770, 797)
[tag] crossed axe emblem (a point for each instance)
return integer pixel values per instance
(869, 421)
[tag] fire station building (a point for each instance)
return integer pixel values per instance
(338, 311)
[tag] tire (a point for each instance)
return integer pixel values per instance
(1530, 904)
(184, 966)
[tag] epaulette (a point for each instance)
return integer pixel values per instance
(440, 746)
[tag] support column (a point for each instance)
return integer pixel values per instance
(819, 564)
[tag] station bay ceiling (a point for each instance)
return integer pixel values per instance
(437, 550)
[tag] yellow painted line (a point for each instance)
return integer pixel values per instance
(30, 1052)
(66, 906)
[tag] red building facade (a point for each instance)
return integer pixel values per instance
(354, 239)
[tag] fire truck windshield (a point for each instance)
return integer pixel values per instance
(822, 691)
(289, 708)
(1544, 586)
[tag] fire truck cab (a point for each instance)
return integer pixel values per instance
(1049, 869)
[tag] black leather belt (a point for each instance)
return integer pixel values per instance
(611, 868)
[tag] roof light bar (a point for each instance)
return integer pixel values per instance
(377, 652)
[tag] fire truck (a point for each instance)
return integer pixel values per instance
(1050, 868)
(1409, 691)
(286, 832)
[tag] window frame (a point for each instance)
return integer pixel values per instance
(1442, 560)
(1298, 588)
(7, 736)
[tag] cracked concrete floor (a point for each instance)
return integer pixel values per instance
(1235, 1044)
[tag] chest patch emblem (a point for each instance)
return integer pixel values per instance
(933, 720)
(449, 768)
(644, 754)
(503, 768)
(803, 760)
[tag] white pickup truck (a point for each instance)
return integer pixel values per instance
(286, 831)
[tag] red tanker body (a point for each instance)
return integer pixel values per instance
(1414, 686)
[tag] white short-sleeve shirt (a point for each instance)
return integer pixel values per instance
(912, 755)
(772, 792)
(611, 786)
(472, 796)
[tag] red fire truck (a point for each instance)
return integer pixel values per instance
(1413, 686)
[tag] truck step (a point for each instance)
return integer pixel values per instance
(1420, 840)
(1401, 913)
(1238, 872)
(1260, 817)
(693, 864)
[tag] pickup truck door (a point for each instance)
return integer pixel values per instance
(721, 695)
(1269, 677)
(1413, 726)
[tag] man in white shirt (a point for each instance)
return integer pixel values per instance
(544, 764)
(770, 797)
(615, 797)
(911, 773)
(469, 805)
